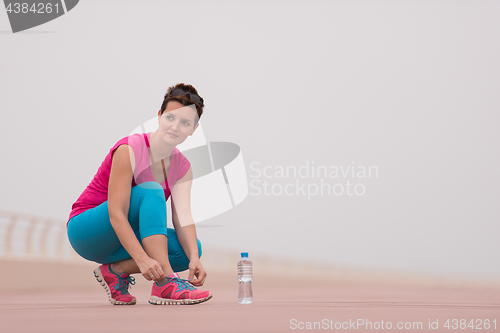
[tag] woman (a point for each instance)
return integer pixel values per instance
(120, 218)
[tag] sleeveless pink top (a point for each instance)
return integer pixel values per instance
(97, 191)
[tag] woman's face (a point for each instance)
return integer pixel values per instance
(177, 122)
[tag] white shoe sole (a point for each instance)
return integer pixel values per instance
(155, 300)
(100, 279)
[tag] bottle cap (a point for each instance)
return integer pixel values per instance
(244, 254)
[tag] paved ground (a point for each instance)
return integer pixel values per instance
(279, 306)
(38, 296)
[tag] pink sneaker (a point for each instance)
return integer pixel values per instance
(177, 291)
(115, 285)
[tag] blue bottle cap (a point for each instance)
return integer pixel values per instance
(244, 254)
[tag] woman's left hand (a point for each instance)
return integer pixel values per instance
(196, 269)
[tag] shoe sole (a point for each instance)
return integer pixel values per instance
(155, 300)
(100, 279)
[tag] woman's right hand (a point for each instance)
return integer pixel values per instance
(150, 269)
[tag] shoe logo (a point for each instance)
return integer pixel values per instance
(26, 14)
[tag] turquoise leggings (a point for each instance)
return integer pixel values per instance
(92, 236)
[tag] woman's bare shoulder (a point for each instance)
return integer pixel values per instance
(124, 156)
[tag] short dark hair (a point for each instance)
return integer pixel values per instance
(184, 100)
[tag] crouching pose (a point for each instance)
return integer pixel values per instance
(120, 219)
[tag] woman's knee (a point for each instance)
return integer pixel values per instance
(151, 185)
(147, 190)
(150, 195)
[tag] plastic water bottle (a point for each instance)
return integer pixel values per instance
(245, 295)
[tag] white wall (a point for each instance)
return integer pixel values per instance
(409, 87)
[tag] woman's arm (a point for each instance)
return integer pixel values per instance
(119, 189)
(184, 226)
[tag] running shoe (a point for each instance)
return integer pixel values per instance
(116, 285)
(177, 291)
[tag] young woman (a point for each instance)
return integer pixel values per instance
(120, 219)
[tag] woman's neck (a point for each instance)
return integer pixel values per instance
(159, 148)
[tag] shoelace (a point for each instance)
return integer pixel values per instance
(182, 284)
(124, 284)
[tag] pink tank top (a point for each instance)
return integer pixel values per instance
(97, 191)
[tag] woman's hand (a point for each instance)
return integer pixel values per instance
(150, 269)
(196, 269)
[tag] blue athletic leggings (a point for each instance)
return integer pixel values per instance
(92, 236)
